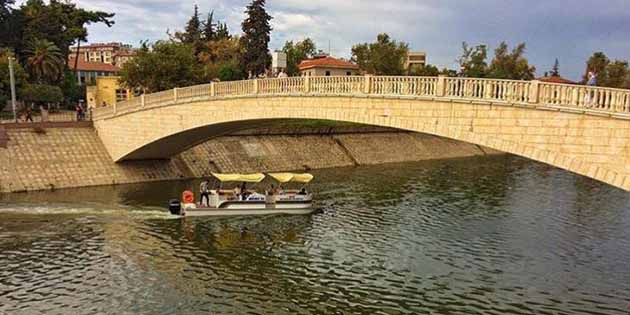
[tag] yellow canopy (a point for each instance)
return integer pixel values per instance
(248, 178)
(292, 177)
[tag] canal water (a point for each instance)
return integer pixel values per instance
(492, 235)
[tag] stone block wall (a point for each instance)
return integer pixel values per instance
(54, 158)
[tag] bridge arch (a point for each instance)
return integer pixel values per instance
(593, 146)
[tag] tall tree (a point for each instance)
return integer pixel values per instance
(165, 65)
(222, 32)
(511, 65)
(296, 52)
(555, 71)
(617, 75)
(256, 37)
(473, 62)
(209, 27)
(597, 63)
(383, 57)
(193, 33)
(19, 76)
(44, 61)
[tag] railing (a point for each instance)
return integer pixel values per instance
(38, 117)
(605, 100)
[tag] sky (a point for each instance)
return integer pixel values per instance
(570, 30)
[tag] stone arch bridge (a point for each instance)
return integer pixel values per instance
(582, 129)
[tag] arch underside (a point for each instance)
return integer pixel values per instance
(515, 130)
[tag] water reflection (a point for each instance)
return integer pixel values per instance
(476, 236)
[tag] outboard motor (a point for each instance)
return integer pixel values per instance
(175, 207)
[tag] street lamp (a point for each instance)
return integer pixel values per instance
(12, 78)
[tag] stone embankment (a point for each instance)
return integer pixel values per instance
(54, 158)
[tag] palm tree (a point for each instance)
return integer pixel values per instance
(45, 61)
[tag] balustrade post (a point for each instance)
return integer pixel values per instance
(487, 90)
(212, 93)
(255, 86)
(575, 96)
(175, 94)
(307, 84)
(142, 100)
(534, 91)
(441, 86)
(367, 84)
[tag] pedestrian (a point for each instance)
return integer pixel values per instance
(29, 114)
(205, 193)
(591, 96)
(79, 110)
(282, 74)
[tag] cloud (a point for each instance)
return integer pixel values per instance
(570, 30)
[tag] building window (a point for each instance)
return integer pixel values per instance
(348, 73)
(121, 95)
(327, 73)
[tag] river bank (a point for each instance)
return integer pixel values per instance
(55, 158)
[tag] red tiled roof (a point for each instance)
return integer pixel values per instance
(92, 66)
(326, 62)
(556, 79)
(129, 53)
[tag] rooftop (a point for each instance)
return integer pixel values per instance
(326, 62)
(92, 66)
(555, 79)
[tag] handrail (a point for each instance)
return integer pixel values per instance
(535, 93)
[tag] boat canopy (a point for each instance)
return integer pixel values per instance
(248, 178)
(292, 177)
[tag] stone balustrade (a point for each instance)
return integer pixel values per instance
(574, 98)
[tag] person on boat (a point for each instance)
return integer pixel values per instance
(243, 191)
(237, 192)
(204, 192)
(302, 191)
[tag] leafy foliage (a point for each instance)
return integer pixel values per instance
(505, 64)
(615, 74)
(296, 52)
(5, 82)
(44, 61)
(425, 71)
(511, 65)
(222, 59)
(164, 66)
(473, 61)
(41, 94)
(256, 37)
(383, 57)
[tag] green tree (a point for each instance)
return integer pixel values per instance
(597, 63)
(41, 94)
(193, 33)
(617, 75)
(164, 66)
(256, 37)
(383, 57)
(223, 32)
(296, 52)
(209, 32)
(60, 22)
(473, 62)
(555, 71)
(425, 71)
(44, 61)
(5, 82)
(511, 65)
(222, 55)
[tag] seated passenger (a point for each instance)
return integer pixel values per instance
(302, 191)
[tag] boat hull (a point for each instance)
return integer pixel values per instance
(247, 208)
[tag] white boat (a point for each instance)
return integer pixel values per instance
(231, 202)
